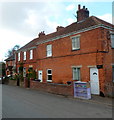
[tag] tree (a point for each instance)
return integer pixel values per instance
(12, 50)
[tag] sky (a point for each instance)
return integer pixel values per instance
(22, 20)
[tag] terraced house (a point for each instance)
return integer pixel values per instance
(81, 51)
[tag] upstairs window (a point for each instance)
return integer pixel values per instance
(76, 73)
(19, 56)
(31, 54)
(49, 50)
(24, 56)
(75, 43)
(112, 40)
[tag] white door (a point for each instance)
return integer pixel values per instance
(94, 81)
(40, 75)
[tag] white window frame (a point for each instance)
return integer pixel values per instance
(24, 55)
(79, 75)
(31, 54)
(75, 42)
(49, 50)
(112, 40)
(19, 56)
(49, 74)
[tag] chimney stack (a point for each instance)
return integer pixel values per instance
(82, 14)
(59, 28)
(41, 34)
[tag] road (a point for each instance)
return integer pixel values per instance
(26, 103)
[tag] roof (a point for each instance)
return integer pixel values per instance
(76, 26)
(11, 58)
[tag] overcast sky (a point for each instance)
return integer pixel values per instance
(21, 22)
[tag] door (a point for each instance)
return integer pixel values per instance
(40, 75)
(94, 81)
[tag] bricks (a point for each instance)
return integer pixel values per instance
(66, 90)
(63, 59)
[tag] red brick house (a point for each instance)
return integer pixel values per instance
(82, 51)
(10, 65)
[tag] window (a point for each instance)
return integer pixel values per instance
(31, 54)
(18, 56)
(112, 40)
(49, 50)
(113, 73)
(76, 73)
(24, 56)
(75, 43)
(49, 75)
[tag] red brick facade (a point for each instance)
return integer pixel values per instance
(10, 65)
(95, 50)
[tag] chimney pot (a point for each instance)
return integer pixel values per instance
(79, 7)
(83, 7)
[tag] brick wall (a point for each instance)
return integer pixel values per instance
(61, 89)
(28, 62)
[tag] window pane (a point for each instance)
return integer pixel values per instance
(76, 73)
(49, 77)
(31, 54)
(75, 43)
(49, 50)
(24, 56)
(49, 71)
(18, 56)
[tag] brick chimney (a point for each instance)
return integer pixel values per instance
(59, 28)
(82, 14)
(41, 34)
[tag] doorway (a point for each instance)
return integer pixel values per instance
(40, 75)
(94, 81)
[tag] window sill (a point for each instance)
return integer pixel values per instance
(49, 80)
(75, 49)
(48, 56)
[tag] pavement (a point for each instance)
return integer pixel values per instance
(108, 101)
(103, 100)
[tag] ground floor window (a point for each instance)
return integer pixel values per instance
(76, 73)
(113, 73)
(49, 75)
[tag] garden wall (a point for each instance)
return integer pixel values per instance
(61, 89)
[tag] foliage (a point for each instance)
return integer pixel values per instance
(21, 68)
(20, 76)
(31, 74)
(12, 50)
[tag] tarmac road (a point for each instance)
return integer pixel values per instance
(26, 103)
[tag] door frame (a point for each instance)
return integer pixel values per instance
(97, 82)
(42, 75)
